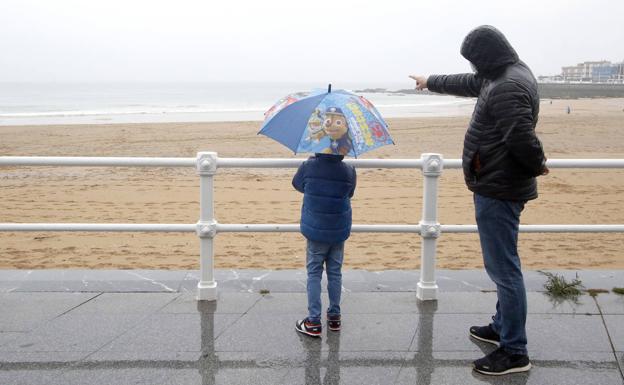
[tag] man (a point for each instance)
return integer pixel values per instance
(501, 158)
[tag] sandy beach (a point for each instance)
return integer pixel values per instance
(593, 129)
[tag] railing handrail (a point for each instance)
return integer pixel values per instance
(97, 161)
(290, 228)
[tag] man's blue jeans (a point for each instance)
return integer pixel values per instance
(332, 255)
(498, 221)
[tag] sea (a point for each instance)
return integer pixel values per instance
(131, 102)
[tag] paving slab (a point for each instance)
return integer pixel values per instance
(115, 375)
(377, 332)
(227, 302)
(126, 303)
(261, 333)
(32, 376)
(234, 376)
(6, 337)
(91, 280)
(380, 303)
(74, 333)
(283, 303)
(566, 337)
(24, 311)
(288, 303)
(173, 332)
(36, 368)
(615, 327)
(611, 303)
(542, 303)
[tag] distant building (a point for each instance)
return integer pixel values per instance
(594, 71)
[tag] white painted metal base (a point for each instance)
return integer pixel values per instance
(207, 291)
(427, 291)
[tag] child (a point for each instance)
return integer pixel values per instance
(327, 184)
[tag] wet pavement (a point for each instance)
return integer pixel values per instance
(145, 327)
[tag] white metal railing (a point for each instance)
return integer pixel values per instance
(289, 228)
(207, 164)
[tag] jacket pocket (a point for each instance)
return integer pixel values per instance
(470, 172)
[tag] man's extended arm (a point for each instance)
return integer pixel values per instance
(459, 85)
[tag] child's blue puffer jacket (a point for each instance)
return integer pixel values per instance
(327, 184)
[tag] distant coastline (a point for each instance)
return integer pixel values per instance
(408, 91)
(546, 91)
(580, 90)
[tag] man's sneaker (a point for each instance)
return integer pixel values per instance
(485, 334)
(306, 327)
(333, 322)
(500, 362)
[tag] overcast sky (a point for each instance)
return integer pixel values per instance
(287, 40)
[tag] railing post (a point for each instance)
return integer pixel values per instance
(206, 226)
(429, 227)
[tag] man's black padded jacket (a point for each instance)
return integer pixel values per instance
(501, 155)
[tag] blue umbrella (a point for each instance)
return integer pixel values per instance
(338, 122)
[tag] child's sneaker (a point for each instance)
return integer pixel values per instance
(306, 327)
(333, 322)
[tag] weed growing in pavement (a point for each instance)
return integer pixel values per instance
(557, 286)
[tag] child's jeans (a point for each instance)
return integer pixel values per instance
(331, 255)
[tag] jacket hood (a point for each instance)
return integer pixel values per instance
(488, 50)
(329, 157)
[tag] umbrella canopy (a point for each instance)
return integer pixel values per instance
(338, 122)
